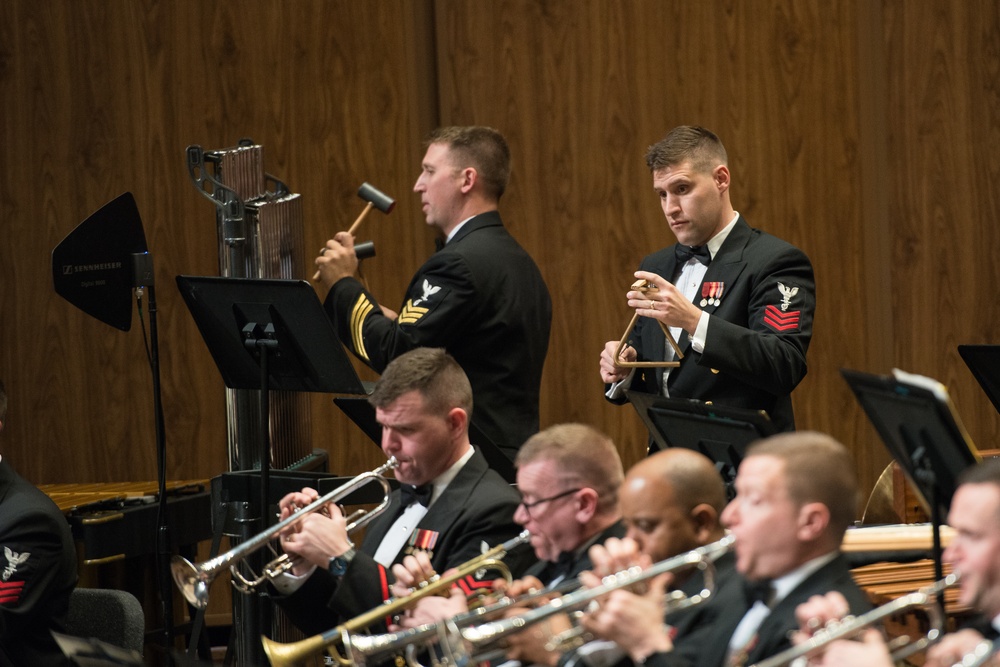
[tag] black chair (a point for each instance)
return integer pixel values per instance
(111, 616)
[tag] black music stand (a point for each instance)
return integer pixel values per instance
(362, 413)
(984, 362)
(719, 432)
(265, 334)
(268, 334)
(916, 420)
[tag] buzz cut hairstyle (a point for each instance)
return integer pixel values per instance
(482, 148)
(687, 142)
(818, 468)
(431, 371)
(984, 472)
(582, 454)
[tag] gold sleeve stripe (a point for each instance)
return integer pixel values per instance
(410, 313)
(358, 314)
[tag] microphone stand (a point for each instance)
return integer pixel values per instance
(142, 265)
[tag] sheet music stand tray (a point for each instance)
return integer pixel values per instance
(984, 362)
(362, 413)
(265, 334)
(918, 423)
(719, 432)
(306, 355)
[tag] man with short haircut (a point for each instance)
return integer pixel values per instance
(671, 504)
(481, 296)
(796, 493)
(569, 477)
(37, 571)
(449, 504)
(738, 300)
(973, 553)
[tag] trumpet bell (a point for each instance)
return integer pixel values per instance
(192, 582)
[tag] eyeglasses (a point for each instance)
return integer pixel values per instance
(535, 503)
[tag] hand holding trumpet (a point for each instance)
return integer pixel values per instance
(631, 618)
(414, 571)
(317, 537)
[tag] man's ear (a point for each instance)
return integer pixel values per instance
(458, 421)
(721, 178)
(587, 500)
(704, 521)
(813, 520)
(469, 179)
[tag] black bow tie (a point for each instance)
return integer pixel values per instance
(684, 252)
(558, 568)
(410, 494)
(758, 591)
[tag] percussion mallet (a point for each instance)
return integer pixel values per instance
(376, 199)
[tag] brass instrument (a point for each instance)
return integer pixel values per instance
(850, 626)
(673, 602)
(487, 635)
(194, 580)
(358, 648)
(981, 655)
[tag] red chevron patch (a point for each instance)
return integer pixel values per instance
(781, 322)
(10, 592)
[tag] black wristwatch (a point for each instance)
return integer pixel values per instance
(338, 564)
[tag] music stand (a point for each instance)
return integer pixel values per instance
(362, 413)
(916, 420)
(268, 334)
(721, 433)
(984, 362)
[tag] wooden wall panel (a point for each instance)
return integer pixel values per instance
(583, 89)
(943, 106)
(864, 132)
(103, 97)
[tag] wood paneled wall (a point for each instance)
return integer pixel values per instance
(864, 132)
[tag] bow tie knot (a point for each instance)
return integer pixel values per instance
(758, 591)
(410, 494)
(684, 252)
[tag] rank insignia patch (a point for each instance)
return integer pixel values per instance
(781, 321)
(10, 592)
(411, 312)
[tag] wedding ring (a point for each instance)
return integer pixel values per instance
(652, 306)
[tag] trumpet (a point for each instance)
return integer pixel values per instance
(487, 635)
(358, 649)
(850, 626)
(194, 580)
(673, 601)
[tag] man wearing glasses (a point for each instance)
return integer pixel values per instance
(568, 476)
